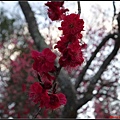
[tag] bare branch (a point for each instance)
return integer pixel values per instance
(70, 109)
(80, 77)
(114, 7)
(37, 113)
(118, 20)
(89, 95)
(107, 95)
(79, 7)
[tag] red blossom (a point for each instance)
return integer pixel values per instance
(54, 14)
(62, 43)
(47, 84)
(56, 100)
(56, 10)
(66, 40)
(72, 24)
(38, 95)
(72, 56)
(47, 77)
(43, 61)
(84, 46)
(54, 4)
(51, 101)
(69, 46)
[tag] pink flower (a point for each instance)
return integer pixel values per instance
(72, 24)
(43, 61)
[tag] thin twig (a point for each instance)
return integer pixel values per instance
(37, 113)
(107, 95)
(82, 74)
(79, 7)
(114, 8)
(88, 95)
(56, 76)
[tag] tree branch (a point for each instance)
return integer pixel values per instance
(89, 95)
(110, 96)
(79, 7)
(70, 110)
(80, 77)
(114, 7)
(32, 25)
(37, 113)
(118, 20)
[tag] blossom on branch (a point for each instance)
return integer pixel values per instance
(38, 95)
(56, 10)
(54, 4)
(66, 40)
(70, 45)
(72, 24)
(48, 100)
(47, 80)
(43, 61)
(56, 100)
(72, 56)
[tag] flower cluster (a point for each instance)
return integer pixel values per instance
(44, 61)
(56, 10)
(39, 91)
(70, 46)
(40, 95)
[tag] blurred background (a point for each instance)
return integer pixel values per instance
(94, 87)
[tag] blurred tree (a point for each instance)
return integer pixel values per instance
(6, 25)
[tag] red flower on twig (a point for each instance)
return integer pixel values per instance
(56, 100)
(54, 4)
(66, 40)
(43, 61)
(72, 24)
(72, 56)
(38, 95)
(56, 10)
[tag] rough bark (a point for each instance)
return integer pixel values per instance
(70, 110)
(32, 26)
